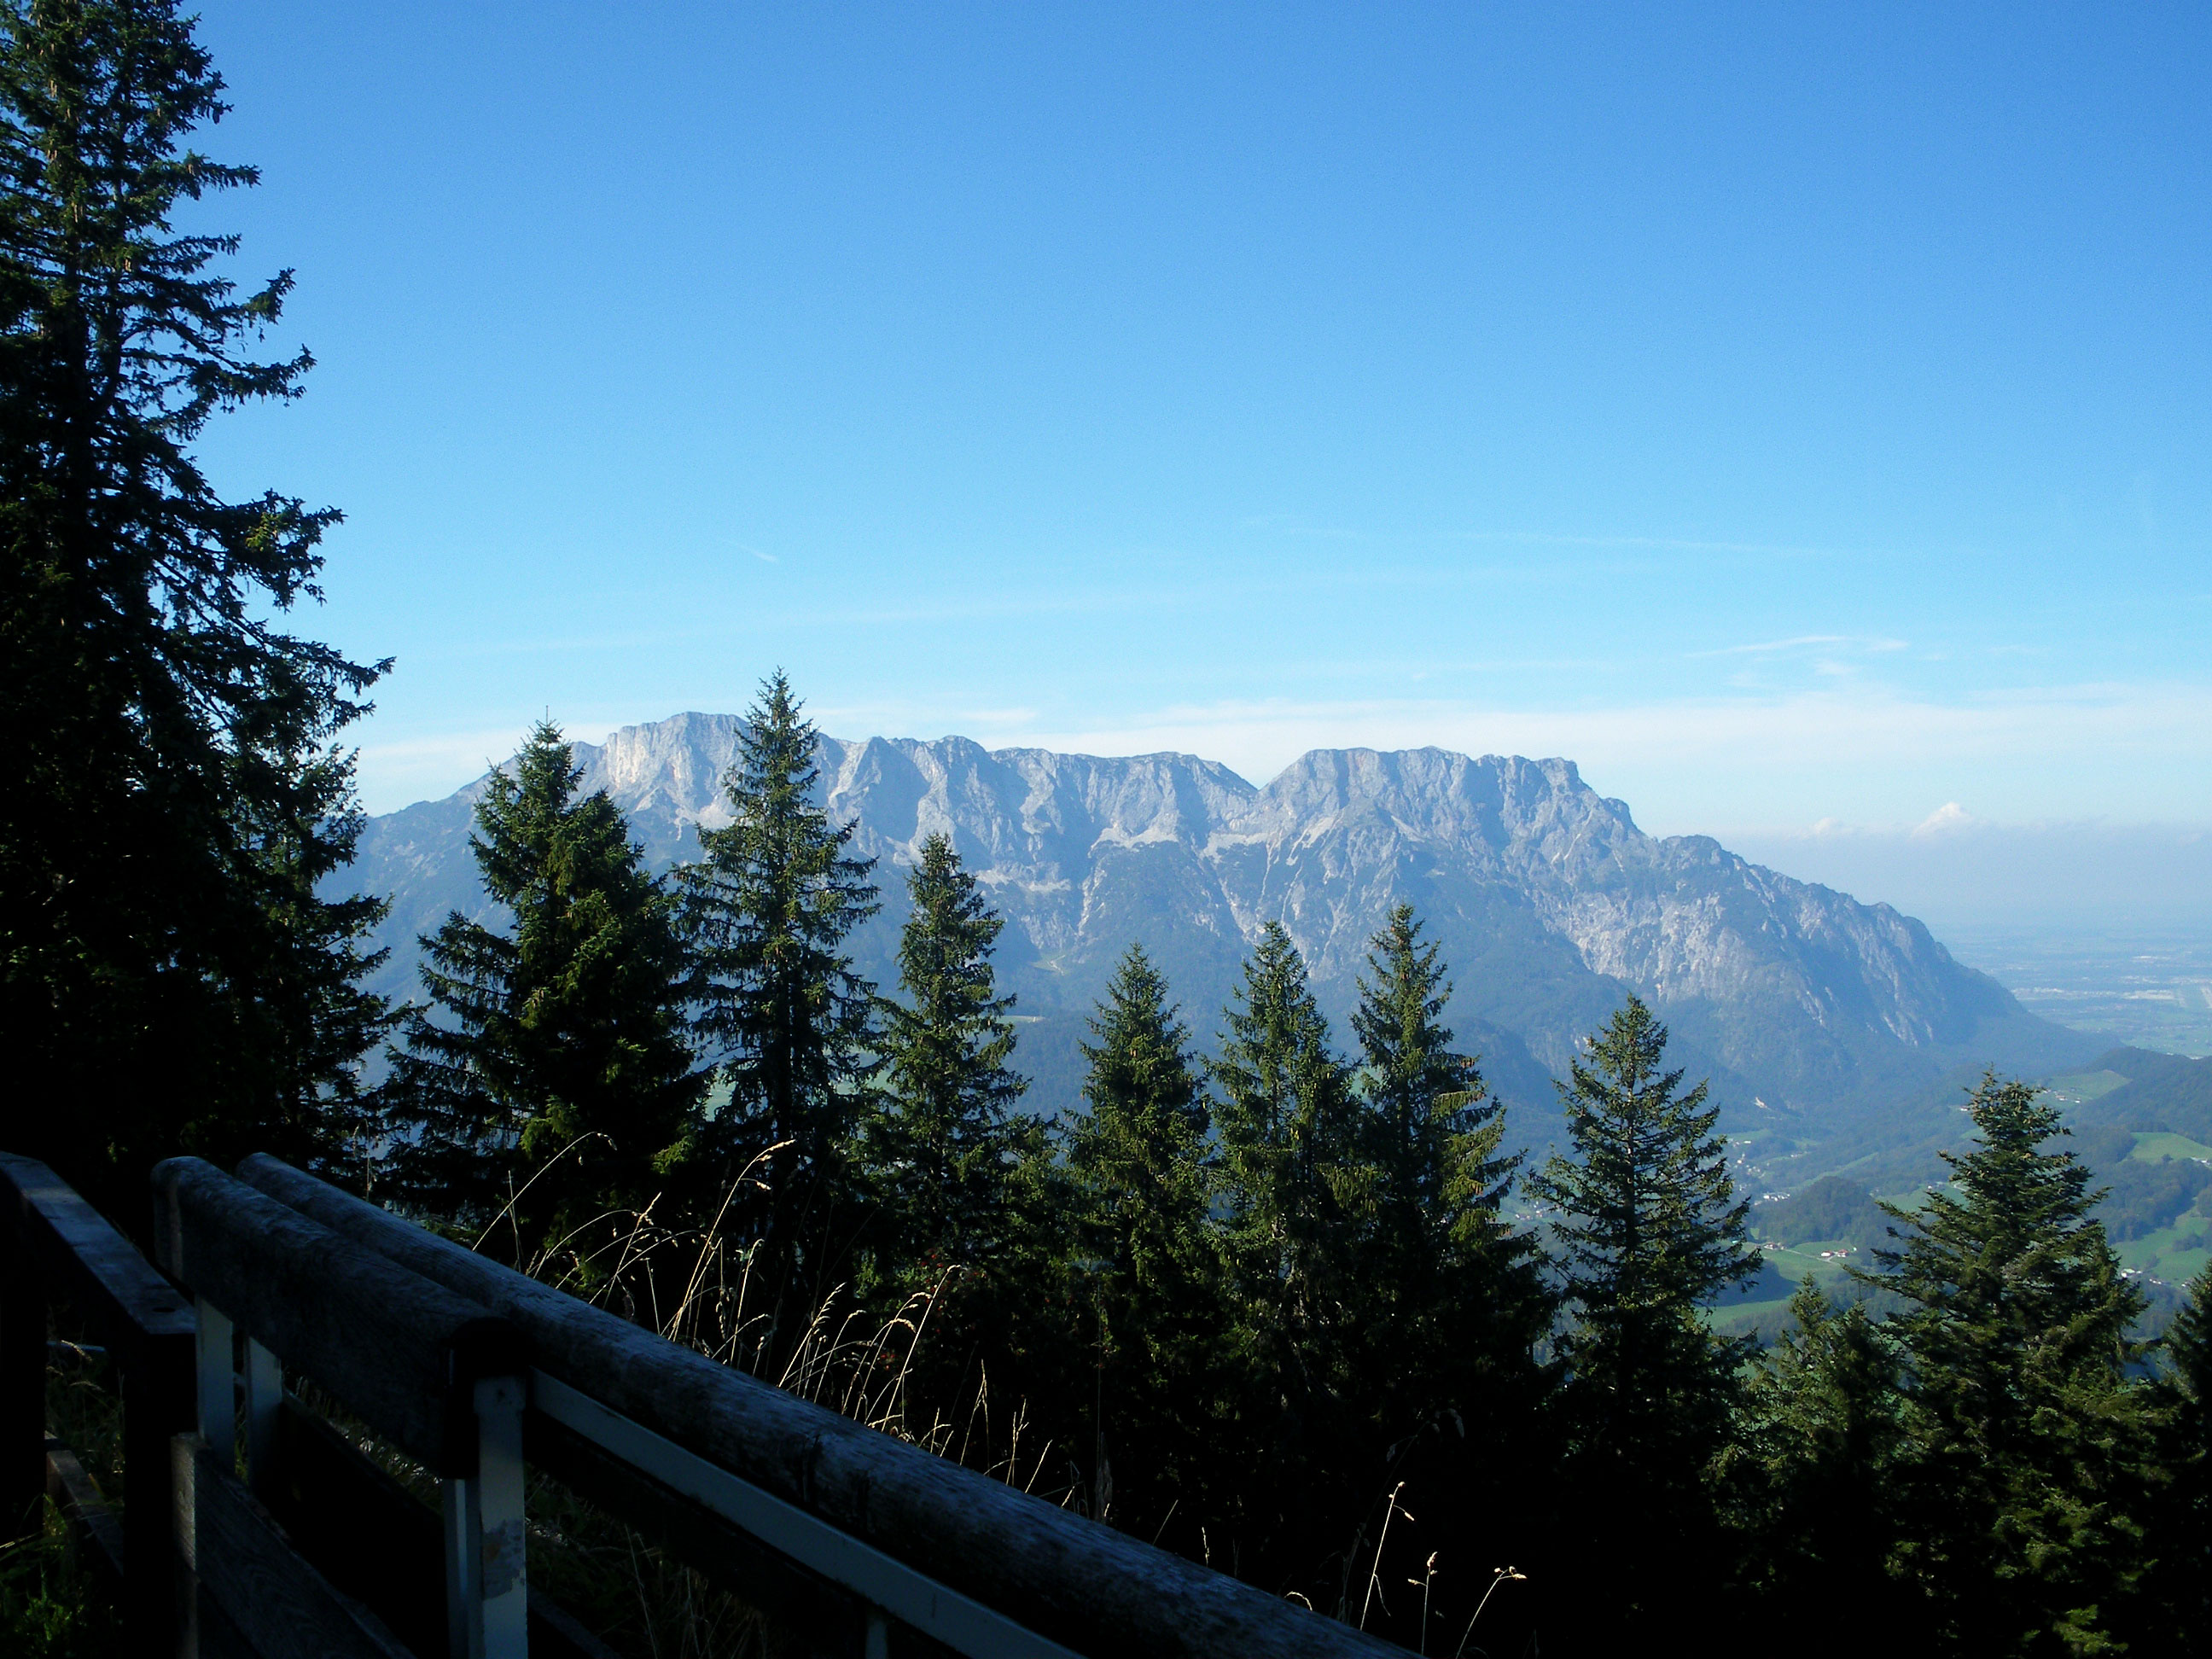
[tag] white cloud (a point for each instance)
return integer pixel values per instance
(1804, 642)
(1762, 647)
(1947, 817)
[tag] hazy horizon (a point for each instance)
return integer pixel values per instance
(1950, 862)
(2105, 928)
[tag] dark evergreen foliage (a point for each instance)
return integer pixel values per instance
(941, 1141)
(1143, 1181)
(1813, 1481)
(1648, 1228)
(1296, 1189)
(1449, 1301)
(766, 909)
(178, 797)
(551, 1070)
(2022, 1531)
(971, 1222)
(1442, 1272)
(2180, 1603)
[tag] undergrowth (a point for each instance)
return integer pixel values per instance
(52, 1605)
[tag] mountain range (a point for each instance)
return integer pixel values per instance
(1806, 1007)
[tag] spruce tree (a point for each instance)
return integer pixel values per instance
(552, 1060)
(1647, 1228)
(1143, 1185)
(1297, 1193)
(2181, 1538)
(1819, 1461)
(1289, 1143)
(177, 800)
(1441, 1262)
(2024, 1528)
(943, 1146)
(1450, 1303)
(767, 910)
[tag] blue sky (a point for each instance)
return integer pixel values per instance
(1797, 418)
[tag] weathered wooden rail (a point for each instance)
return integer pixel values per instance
(852, 1543)
(55, 1248)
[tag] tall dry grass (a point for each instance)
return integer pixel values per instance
(698, 1286)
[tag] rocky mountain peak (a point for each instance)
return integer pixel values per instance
(1548, 900)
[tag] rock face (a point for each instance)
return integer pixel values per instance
(1549, 902)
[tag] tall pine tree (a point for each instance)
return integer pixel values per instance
(551, 1061)
(176, 798)
(1143, 1185)
(1445, 1272)
(1297, 1191)
(767, 910)
(2181, 1537)
(2024, 1528)
(1815, 1475)
(1648, 1228)
(943, 1147)
(1450, 1304)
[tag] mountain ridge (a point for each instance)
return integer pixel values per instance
(1550, 903)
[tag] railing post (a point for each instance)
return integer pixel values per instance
(456, 1505)
(218, 1389)
(264, 1398)
(22, 1385)
(487, 1578)
(158, 1396)
(505, 1580)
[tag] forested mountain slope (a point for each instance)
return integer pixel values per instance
(1549, 901)
(2149, 1092)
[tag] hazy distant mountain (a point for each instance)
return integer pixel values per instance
(1549, 902)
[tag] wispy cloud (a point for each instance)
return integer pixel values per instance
(1804, 642)
(1655, 544)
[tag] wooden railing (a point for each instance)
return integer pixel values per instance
(55, 1249)
(848, 1541)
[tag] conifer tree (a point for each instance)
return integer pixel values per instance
(1296, 1193)
(552, 1056)
(1289, 1140)
(1826, 1435)
(767, 910)
(1442, 1260)
(944, 1148)
(176, 800)
(2181, 1541)
(1450, 1303)
(1648, 1228)
(1143, 1185)
(2028, 1440)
